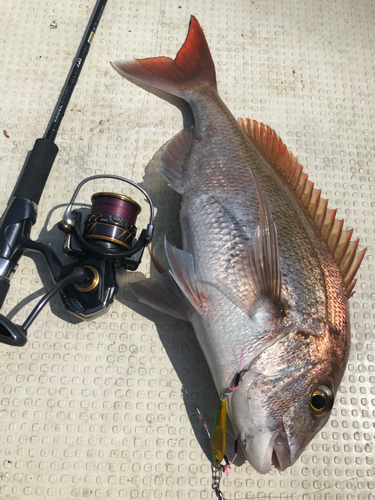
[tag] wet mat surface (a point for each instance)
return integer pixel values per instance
(110, 408)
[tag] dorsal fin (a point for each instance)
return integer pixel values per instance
(338, 240)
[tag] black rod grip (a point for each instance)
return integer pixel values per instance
(36, 169)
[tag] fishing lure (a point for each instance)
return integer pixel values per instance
(219, 433)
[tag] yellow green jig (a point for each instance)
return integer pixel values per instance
(219, 434)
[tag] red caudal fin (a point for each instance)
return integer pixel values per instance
(192, 66)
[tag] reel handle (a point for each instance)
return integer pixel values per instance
(16, 335)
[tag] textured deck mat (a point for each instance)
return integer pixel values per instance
(110, 408)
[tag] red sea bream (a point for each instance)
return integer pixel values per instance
(265, 272)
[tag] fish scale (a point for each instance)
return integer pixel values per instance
(265, 271)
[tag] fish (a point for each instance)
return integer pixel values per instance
(265, 270)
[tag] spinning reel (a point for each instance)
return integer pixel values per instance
(106, 240)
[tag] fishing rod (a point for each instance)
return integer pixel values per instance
(108, 239)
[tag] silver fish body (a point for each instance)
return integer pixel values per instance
(270, 312)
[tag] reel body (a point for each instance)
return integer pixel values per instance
(108, 240)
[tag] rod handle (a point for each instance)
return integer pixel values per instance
(36, 169)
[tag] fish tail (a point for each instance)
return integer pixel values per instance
(192, 66)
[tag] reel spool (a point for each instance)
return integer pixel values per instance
(111, 221)
(110, 229)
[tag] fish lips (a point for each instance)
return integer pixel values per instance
(280, 451)
(263, 447)
(275, 451)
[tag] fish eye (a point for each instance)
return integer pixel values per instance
(321, 400)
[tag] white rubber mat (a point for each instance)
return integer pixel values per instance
(110, 408)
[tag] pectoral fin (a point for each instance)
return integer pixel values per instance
(254, 273)
(261, 262)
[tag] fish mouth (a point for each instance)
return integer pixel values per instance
(275, 453)
(280, 457)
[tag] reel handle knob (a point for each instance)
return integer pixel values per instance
(12, 334)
